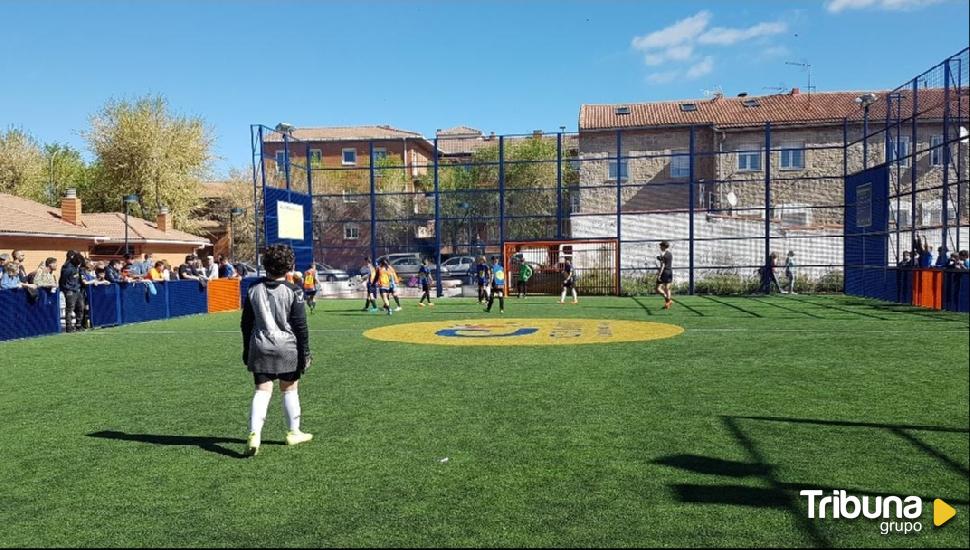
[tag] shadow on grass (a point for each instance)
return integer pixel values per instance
(779, 494)
(210, 444)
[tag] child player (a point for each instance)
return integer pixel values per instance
(424, 276)
(482, 273)
(369, 271)
(665, 272)
(568, 282)
(395, 280)
(276, 344)
(310, 288)
(384, 276)
(498, 286)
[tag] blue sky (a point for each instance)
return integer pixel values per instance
(507, 67)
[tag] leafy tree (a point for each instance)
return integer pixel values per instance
(65, 168)
(22, 165)
(143, 148)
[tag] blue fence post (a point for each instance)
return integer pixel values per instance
(501, 195)
(309, 192)
(559, 186)
(262, 169)
(946, 154)
(437, 223)
(692, 199)
(767, 162)
(619, 205)
(373, 204)
(912, 171)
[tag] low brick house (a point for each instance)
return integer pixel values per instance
(42, 231)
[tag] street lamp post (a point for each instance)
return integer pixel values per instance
(865, 100)
(232, 234)
(128, 200)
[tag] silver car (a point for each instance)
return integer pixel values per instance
(459, 266)
(329, 273)
(411, 265)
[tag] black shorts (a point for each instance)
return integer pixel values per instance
(567, 284)
(262, 377)
(665, 278)
(425, 287)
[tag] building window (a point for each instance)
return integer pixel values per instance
(749, 158)
(623, 170)
(349, 196)
(792, 156)
(380, 153)
(936, 150)
(349, 157)
(316, 157)
(280, 161)
(351, 231)
(680, 163)
(900, 151)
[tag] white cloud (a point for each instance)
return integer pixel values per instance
(723, 36)
(678, 44)
(838, 6)
(773, 52)
(665, 77)
(705, 66)
(685, 30)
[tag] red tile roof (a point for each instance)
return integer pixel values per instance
(24, 217)
(790, 108)
(344, 133)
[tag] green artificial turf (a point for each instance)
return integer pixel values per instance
(132, 436)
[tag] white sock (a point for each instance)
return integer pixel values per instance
(291, 406)
(563, 297)
(257, 416)
(575, 298)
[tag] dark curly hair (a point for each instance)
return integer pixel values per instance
(278, 259)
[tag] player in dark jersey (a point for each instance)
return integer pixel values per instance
(568, 282)
(665, 273)
(482, 274)
(424, 276)
(370, 272)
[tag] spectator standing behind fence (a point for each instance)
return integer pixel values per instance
(924, 252)
(155, 273)
(112, 273)
(791, 271)
(19, 257)
(44, 277)
(906, 261)
(10, 278)
(768, 275)
(211, 268)
(965, 258)
(226, 271)
(942, 258)
(70, 285)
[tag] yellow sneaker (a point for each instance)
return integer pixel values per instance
(295, 438)
(252, 445)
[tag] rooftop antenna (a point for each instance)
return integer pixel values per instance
(714, 91)
(807, 67)
(780, 88)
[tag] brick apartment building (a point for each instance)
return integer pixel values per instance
(806, 160)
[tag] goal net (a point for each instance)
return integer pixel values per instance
(596, 265)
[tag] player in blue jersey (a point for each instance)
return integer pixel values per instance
(498, 285)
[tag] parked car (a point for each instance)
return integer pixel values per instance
(391, 258)
(459, 266)
(329, 273)
(408, 266)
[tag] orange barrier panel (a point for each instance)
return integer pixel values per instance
(928, 288)
(224, 295)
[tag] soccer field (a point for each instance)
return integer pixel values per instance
(133, 435)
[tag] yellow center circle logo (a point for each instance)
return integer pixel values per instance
(524, 332)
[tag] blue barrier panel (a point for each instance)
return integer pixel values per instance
(29, 315)
(186, 298)
(139, 304)
(244, 287)
(105, 303)
(956, 291)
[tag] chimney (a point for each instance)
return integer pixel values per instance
(795, 91)
(164, 219)
(71, 207)
(536, 134)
